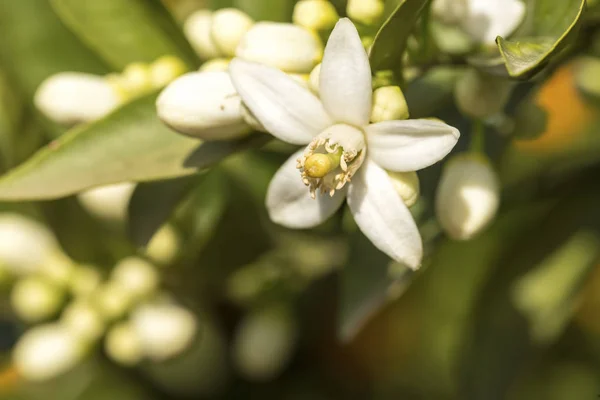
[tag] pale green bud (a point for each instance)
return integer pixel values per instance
(314, 79)
(57, 268)
(47, 351)
(389, 104)
(164, 70)
(203, 105)
(122, 345)
(113, 300)
(35, 299)
(216, 64)
(468, 196)
(164, 245)
(108, 203)
(229, 25)
(138, 276)
(70, 98)
(197, 30)
(315, 14)
(136, 79)
(367, 12)
(407, 186)
(84, 281)
(288, 47)
(84, 320)
(450, 11)
(480, 95)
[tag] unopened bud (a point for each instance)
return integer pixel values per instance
(123, 346)
(34, 299)
(284, 46)
(113, 300)
(407, 186)
(389, 104)
(138, 276)
(367, 12)
(204, 105)
(468, 196)
(84, 280)
(70, 98)
(229, 25)
(216, 64)
(57, 268)
(480, 95)
(164, 245)
(317, 15)
(136, 79)
(450, 11)
(164, 70)
(84, 320)
(197, 30)
(314, 81)
(108, 203)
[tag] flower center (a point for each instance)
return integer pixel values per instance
(332, 158)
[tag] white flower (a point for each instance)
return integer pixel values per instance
(345, 156)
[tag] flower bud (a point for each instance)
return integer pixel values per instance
(314, 79)
(122, 345)
(34, 299)
(367, 12)
(317, 15)
(197, 30)
(138, 276)
(389, 104)
(83, 320)
(24, 244)
(468, 196)
(108, 203)
(113, 300)
(164, 245)
(450, 11)
(136, 79)
(217, 64)
(264, 343)
(407, 186)
(84, 281)
(164, 70)
(480, 95)
(284, 46)
(69, 98)
(57, 268)
(164, 330)
(47, 351)
(204, 105)
(229, 25)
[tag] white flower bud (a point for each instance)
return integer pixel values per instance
(197, 30)
(69, 98)
(366, 12)
(47, 351)
(122, 345)
(164, 70)
(109, 202)
(264, 343)
(34, 299)
(407, 186)
(389, 104)
(314, 81)
(450, 11)
(136, 79)
(164, 245)
(229, 25)
(165, 330)
(480, 95)
(468, 196)
(113, 300)
(84, 320)
(24, 244)
(138, 276)
(203, 105)
(216, 64)
(84, 281)
(315, 14)
(288, 47)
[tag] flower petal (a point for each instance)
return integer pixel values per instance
(345, 79)
(382, 216)
(289, 202)
(410, 145)
(286, 109)
(491, 18)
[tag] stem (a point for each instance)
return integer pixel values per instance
(477, 137)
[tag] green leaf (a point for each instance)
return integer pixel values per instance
(123, 32)
(267, 10)
(390, 42)
(131, 144)
(430, 92)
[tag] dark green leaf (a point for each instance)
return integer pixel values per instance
(267, 10)
(428, 93)
(123, 32)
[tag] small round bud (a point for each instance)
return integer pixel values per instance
(138, 276)
(34, 299)
(47, 351)
(216, 64)
(287, 47)
(108, 203)
(164, 70)
(70, 98)
(367, 12)
(450, 11)
(204, 105)
(164, 245)
(83, 320)
(84, 281)
(136, 79)
(113, 300)
(468, 196)
(164, 330)
(123, 346)
(480, 95)
(57, 268)
(317, 15)
(406, 185)
(389, 104)
(197, 30)
(314, 79)
(229, 25)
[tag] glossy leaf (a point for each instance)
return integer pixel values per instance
(123, 32)
(130, 144)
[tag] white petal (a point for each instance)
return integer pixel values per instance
(345, 80)
(410, 145)
(383, 217)
(491, 18)
(285, 108)
(289, 202)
